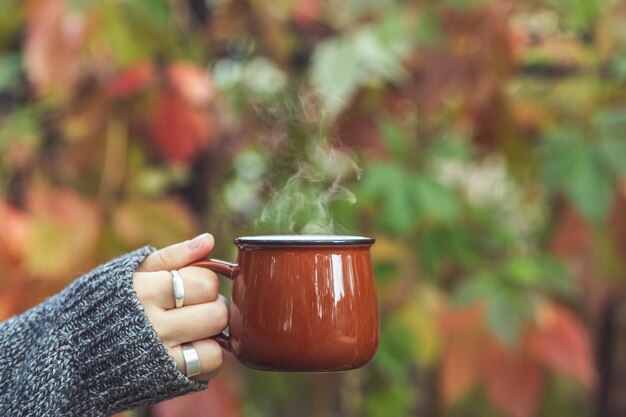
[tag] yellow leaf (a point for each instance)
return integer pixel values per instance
(420, 318)
(63, 234)
(158, 223)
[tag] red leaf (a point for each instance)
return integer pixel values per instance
(182, 121)
(220, 400)
(513, 381)
(307, 12)
(512, 378)
(561, 343)
(131, 80)
(10, 301)
(14, 245)
(178, 130)
(15, 228)
(461, 319)
(191, 83)
(52, 47)
(461, 369)
(463, 359)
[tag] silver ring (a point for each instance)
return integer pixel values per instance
(179, 288)
(192, 361)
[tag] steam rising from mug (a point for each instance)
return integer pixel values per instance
(303, 204)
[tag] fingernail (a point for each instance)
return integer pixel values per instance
(197, 242)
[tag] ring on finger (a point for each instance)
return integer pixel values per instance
(179, 288)
(192, 360)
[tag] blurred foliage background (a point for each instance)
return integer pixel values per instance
(481, 142)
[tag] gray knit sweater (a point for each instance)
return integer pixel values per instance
(87, 351)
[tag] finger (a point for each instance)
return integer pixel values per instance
(178, 255)
(201, 286)
(190, 323)
(210, 354)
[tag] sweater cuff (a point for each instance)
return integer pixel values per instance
(120, 360)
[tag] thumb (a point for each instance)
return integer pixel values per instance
(178, 255)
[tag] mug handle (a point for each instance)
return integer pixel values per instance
(229, 271)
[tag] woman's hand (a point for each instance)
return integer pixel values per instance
(204, 313)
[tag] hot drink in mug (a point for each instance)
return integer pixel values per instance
(301, 303)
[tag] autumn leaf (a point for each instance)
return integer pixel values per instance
(63, 234)
(463, 359)
(15, 225)
(15, 231)
(574, 241)
(460, 319)
(220, 400)
(513, 377)
(54, 37)
(513, 380)
(192, 83)
(182, 122)
(307, 12)
(131, 80)
(159, 222)
(561, 344)
(419, 316)
(10, 299)
(178, 130)
(461, 369)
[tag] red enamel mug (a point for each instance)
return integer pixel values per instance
(301, 303)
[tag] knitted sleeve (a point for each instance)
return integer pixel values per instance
(88, 351)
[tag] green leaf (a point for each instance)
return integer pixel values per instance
(342, 64)
(577, 167)
(395, 350)
(611, 121)
(613, 151)
(465, 4)
(336, 73)
(133, 31)
(506, 313)
(443, 245)
(380, 56)
(398, 213)
(391, 400)
(434, 200)
(579, 15)
(449, 148)
(618, 66)
(507, 307)
(21, 126)
(556, 277)
(611, 125)
(524, 271)
(589, 184)
(478, 287)
(428, 29)
(557, 157)
(390, 186)
(376, 180)
(433, 249)
(395, 140)
(542, 274)
(10, 68)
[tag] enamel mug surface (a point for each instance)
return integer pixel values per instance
(301, 303)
